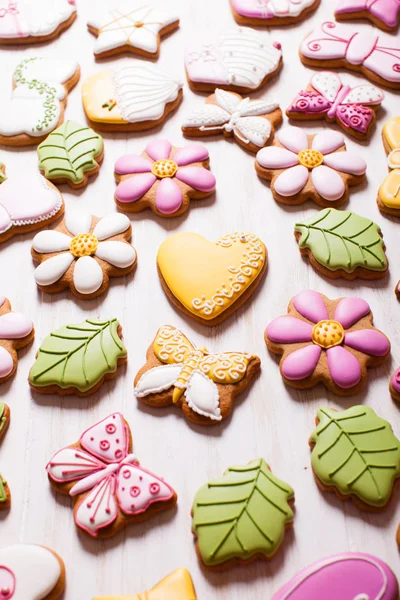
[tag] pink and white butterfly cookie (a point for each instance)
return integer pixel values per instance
(16, 332)
(327, 97)
(272, 12)
(383, 13)
(109, 487)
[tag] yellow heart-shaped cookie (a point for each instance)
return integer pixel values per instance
(209, 280)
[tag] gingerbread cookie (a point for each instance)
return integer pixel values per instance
(164, 178)
(327, 341)
(328, 98)
(305, 167)
(250, 122)
(109, 487)
(16, 332)
(176, 586)
(131, 98)
(394, 385)
(241, 60)
(272, 12)
(389, 193)
(335, 45)
(348, 576)
(383, 13)
(83, 253)
(77, 359)
(71, 154)
(340, 243)
(254, 528)
(208, 281)
(356, 455)
(29, 572)
(37, 103)
(203, 385)
(23, 23)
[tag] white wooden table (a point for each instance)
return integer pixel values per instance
(269, 420)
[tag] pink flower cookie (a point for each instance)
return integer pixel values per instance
(109, 487)
(310, 167)
(394, 385)
(328, 341)
(16, 332)
(383, 13)
(163, 178)
(272, 12)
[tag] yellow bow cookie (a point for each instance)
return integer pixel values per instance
(389, 192)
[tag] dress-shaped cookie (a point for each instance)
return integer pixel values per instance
(383, 13)
(389, 193)
(272, 12)
(22, 22)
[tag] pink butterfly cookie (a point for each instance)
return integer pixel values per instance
(383, 13)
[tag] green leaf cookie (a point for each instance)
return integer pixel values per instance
(357, 452)
(242, 514)
(3, 419)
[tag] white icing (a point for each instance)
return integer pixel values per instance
(287, 8)
(87, 483)
(111, 225)
(51, 70)
(77, 221)
(51, 270)
(70, 464)
(327, 83)
(157, 379)
(118, 254)
(88, 275)
(202, 396)
(50, 241)
(101, 501)
(38, 18)
(27, 111)
(364, 94)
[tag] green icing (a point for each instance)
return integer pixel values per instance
(78, 355)
(242, 514)
(341, 239)
(357, 452)
(69, 152)
(2, 417)
(3, 493)
(2, 173)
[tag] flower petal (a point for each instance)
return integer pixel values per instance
(301, 363)
(51, 241)
(292, 181)
(50, 271)
(343, 366)
(159, 149)
(311, 305)
(350, 310)
(118, 254)
(369, 341)
(198, 178)
(88, 275)
(293, 138)
(289, 330)
(111, 225)
(327, 141)
(134, 188)
(78, 221)
(14, 325)
(328, 183)
(6, 362)
(347, 162)
(132, 163)
(276, 158)
(169, 196)
(190, 154)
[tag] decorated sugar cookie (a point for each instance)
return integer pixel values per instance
(135, 97)
(335, 45)
(83, 253)
(340, 243)
(208, 281)
(394, 385)
(250, 122)
(348, 576)
(29, 572)
(16, 332)
(240, 60)
(272, 12)
(356, 455)
(130, 27)
(4, 419)
(254, 528)
(389, 193)
(305, 167)
(5, 494)
(176, 586)
(109, 487)
(2, 172)
(21, 23)
(77, 359)
(328, 98)
(164, 178)
(37, 102)
(383, 13)
(328, 341)
(203, 385)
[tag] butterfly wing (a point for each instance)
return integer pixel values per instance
(98, 508)
(138, 489)
(226, 367)
(108, 439)
(202, 396)
(367, 94)
(258, 107)
(171, 346)
(208, 116)
(327, 83)
(254, 130)
(157, 380)
(227, 100)
(72, 464)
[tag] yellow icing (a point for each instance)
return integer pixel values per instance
(328, 334)
(310, 158)
(164, 168)
(389, 192)
(208, 277)
(84, 244)
(98, 101)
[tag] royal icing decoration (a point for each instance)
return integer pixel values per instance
(137, 28)
(136, 93)
(81, 245)
(249, 121)
(15, 333)
(389, 192)
(385, 13)
(4, 418)
(240, 58)
(163, 177)
(192, 375)
(376, 56)
(208, 278)
(18, 18)
(176, 586)
(2, 172)
(271, 9)
(395, 384)
(105, 478)
(328, 98)
(241, 515)
(348, 576)
(28, 572)
(356, 452)
(4, 497)
(303, 167)
(334, 348)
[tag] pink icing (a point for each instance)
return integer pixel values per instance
(288, 330)
(158, 149)
(292, 181)
(6, 362)
(328, 183)
(369, 341)
(387, 11)
(134, 188)
(198, 178)
(343, 366)
(132, 163)
(350, 310)
(346, 162)
(293, 138)
(138, 489)
(14, 325)
(327, 141)
(168, 196)
(301, 363)
(258, 8)
(7, 578)
(396, 380)
(311, 305)
(108, 440)
(190, 154)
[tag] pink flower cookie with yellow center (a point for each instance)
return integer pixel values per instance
(328, 341)
(16, 332)
(310, 167)
(163, 178)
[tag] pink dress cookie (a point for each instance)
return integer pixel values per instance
(272, 12)
(383, 13)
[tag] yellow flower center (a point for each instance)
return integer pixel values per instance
(84, 244)
(164, 168)
(310, 158)
(328, 334)
(138, 24)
